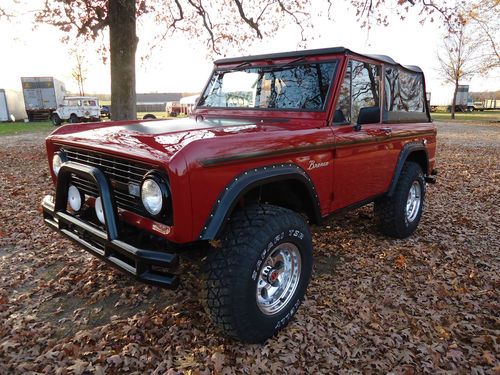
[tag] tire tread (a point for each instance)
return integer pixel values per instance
(225, 265)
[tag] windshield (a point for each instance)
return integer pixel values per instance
(288, 87)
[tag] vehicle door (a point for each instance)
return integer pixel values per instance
(360, 170)
(74, 106)
(62, 110)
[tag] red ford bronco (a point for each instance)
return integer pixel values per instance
(275, 142)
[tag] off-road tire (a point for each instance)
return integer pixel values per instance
(73, 119)
(232, 270)
(56, 120)
(390, 211)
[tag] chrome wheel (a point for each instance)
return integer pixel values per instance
(413, 201)
(278, 278)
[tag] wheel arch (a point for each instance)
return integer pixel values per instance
(415, 152)
(279, 184)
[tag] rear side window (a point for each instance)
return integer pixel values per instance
(404, 91)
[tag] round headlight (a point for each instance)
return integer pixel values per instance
(57, 162)
(152, 196)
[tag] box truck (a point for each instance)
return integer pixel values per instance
(42, 95)
(11, 106)
(464, 102)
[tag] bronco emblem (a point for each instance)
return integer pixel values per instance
(314, 165)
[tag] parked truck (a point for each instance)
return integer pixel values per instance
(465, 103)
(11, 106)
(275, 142)
(461, 103)
(42, 95)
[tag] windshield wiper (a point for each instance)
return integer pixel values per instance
(285, 65)
(275, 68)
(245, 63)
(233, 69)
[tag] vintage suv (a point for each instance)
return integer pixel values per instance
(77, 109)
(275, 142)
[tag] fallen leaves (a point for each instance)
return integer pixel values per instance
(78, 367)
(400, 261)
(428, 304)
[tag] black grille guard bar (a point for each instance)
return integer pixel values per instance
(145, 265)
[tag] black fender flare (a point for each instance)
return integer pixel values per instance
(407, 150)
(245, 182)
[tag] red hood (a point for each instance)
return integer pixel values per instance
(158, 140)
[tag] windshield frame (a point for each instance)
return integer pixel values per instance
(263, 64)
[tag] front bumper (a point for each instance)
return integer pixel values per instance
(147, 265)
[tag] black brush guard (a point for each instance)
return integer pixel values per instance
(150, 266)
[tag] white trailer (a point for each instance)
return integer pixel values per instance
(11, 106)
(492, 104)
(42, 96)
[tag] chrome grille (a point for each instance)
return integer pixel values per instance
(119, 171)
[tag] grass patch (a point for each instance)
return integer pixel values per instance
(12, 128)
(485, 116)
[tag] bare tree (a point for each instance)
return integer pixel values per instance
(221, 23)
(79, 72)
(484, 17)
(458, 59)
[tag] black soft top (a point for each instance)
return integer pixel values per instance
(315, 52)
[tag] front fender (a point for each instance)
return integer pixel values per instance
(245, 182)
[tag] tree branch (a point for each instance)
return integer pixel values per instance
(3, 13)
(181, 15)
(249, 21)
(207, 24)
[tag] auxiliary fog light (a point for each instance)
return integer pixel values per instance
(75, 198)
(99, 211)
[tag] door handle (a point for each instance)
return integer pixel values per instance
(386, 130)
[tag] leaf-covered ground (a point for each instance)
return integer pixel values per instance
(429, 304)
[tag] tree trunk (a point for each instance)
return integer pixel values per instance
(123, 46)
(454, 102)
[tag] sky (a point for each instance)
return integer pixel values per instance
(183, 65)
